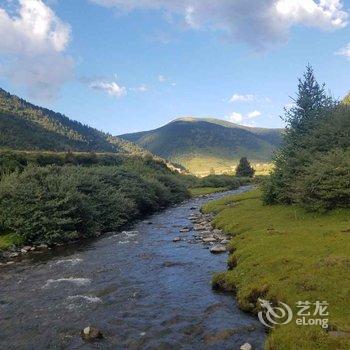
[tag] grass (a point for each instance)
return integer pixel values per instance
(8, 240)
(283, 253)
(199, 191)
(201, 165)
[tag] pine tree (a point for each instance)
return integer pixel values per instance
(244, 169)
(312, 106)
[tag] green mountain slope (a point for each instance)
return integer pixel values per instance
(24, 126)
(201, 144)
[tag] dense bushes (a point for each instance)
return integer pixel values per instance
(312, 167)
(55, 204)
(18, 160)
(326, 182)
(228, 181)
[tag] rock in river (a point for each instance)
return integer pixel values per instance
(26, 249)
(177, 239)
(209, 240)
(246, 346)
(91, 333)
(217, 249)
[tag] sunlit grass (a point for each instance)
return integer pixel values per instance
(8, 240)
(200, 165)
(284, 253)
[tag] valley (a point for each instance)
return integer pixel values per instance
(208, 145)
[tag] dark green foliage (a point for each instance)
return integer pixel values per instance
(244, 169)
(311, 106)
(325, 183)
(228, 181)
(24, 126)
(18, 160)
(317, 137)
(59, 203)
(208, 137)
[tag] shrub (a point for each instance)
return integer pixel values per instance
(325, 183)
(228, 181)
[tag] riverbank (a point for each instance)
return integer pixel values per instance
(202, 191)
(283, 253)
(140, 288)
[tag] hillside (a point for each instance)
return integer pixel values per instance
(202, 144)
(24, 126)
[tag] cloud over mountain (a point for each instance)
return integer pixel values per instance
(260, 23)
(33, 43)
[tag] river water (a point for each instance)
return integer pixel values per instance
(142, 290)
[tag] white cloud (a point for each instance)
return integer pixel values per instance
(32, 45)
(254, 114)
(162, 78)
(239, 118)
(345, 51)
(242, 98)
(261, 23)
(235, 117)
(140, 88)
(110, 87)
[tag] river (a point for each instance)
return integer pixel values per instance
(142, 290)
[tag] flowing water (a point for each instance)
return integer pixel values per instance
(142, 290)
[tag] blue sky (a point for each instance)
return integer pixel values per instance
(127, 65)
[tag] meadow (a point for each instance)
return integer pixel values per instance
(285, 253)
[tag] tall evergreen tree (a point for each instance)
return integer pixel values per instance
(244, 169)
(312, 106)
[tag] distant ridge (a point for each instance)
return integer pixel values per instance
(24, 126)
(207, 143)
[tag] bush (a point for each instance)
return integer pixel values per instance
(228, 181)
(57, 204)
(325, 183)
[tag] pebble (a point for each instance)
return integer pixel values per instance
(217, 249)
(246, 346)
(91, 333)
(209, 239)
(177, 239)
(26, 249)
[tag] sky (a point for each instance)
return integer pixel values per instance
(132, 65)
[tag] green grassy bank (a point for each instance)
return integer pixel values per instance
(283, 253)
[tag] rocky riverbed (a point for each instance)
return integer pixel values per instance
(147, 288)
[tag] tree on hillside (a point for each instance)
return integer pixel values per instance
(244, 169)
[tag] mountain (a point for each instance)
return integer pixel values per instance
(201, 144)
(24, 126)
